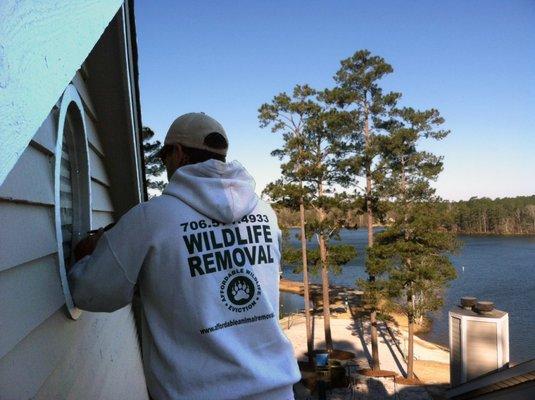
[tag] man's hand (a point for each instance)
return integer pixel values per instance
(87, 245)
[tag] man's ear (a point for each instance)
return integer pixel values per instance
(171, 160)
(181, 156)
(174, 155)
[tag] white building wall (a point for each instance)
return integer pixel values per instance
(43, 353)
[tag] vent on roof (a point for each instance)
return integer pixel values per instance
(479, 340)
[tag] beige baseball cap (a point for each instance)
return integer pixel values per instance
(192, 130)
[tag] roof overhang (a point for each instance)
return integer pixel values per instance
(112, 82)
(520, 376)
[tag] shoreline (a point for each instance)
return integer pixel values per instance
(431, 362)
(296, 287)
(457, 234)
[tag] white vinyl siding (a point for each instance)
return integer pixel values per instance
(481, 345)
(26, 232)
(101, 219)
(79, 82)
(98, 169)
(45, 135)
(82, 360)
(43, 353)
(39, 281)
(38, 187)
(456, 357)
(101, 198)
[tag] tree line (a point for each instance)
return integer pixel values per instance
(477, 216)
(352, 152)
(502, 216)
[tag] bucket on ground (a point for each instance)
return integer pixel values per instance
(322, 359)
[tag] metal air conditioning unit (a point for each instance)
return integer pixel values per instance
(479, 340)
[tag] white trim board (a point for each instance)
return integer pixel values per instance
(42, 45)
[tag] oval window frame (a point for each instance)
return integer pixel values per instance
(82, 184)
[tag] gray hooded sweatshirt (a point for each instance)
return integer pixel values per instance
(206, 255)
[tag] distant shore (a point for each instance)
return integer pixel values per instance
(458, 233)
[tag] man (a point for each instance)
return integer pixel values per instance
(206, 256)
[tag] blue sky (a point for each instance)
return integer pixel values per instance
(473, 60)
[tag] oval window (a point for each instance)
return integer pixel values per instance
(72, 187)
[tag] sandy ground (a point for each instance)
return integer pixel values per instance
(352, 336)
(431, 360)
(350, 332)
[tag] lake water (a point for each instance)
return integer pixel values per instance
(496, 268)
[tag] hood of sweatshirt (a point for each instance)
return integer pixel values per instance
(221, 191)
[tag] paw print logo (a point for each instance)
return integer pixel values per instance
(240, 290)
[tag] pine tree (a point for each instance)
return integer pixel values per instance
(289, 116)
(312, 154)
(324, 147)
(410, 257)
(362, 100)
(154, 166)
